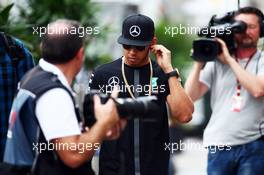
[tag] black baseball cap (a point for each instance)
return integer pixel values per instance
(137, 30)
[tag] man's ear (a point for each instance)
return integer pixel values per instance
(154, 41)
(80, 53)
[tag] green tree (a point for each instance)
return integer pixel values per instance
(38, 13)
(179, 45)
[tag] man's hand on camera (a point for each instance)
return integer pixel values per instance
(198, 64)
(224, 56)
(163, 56)
(116, 130)
(106, 114)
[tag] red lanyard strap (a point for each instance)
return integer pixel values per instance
(238, 87)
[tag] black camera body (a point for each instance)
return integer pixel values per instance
(207, 48)
(127, 108)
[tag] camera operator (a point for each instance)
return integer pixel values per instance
(237, 88)
(44, 113)
(141, 147)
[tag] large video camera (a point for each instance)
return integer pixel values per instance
(127, 108)
(207, 49)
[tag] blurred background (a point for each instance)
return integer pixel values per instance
(18, 17)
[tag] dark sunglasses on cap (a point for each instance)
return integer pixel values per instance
(139, 48)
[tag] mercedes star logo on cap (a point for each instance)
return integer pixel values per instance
(134, 31)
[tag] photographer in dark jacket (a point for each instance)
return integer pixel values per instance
(45, 133)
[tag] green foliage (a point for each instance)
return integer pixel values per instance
(94, 60)
(41, 12)
(38, 13)
(179, 45)
(4, 14)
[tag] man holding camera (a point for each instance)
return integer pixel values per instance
(233, 134)
(45, 134)
(141, 147)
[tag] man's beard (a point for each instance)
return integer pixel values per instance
(246, 42)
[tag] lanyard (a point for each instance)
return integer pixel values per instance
(238, 87)
(126, 82)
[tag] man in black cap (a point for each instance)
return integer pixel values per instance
(141, 147)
